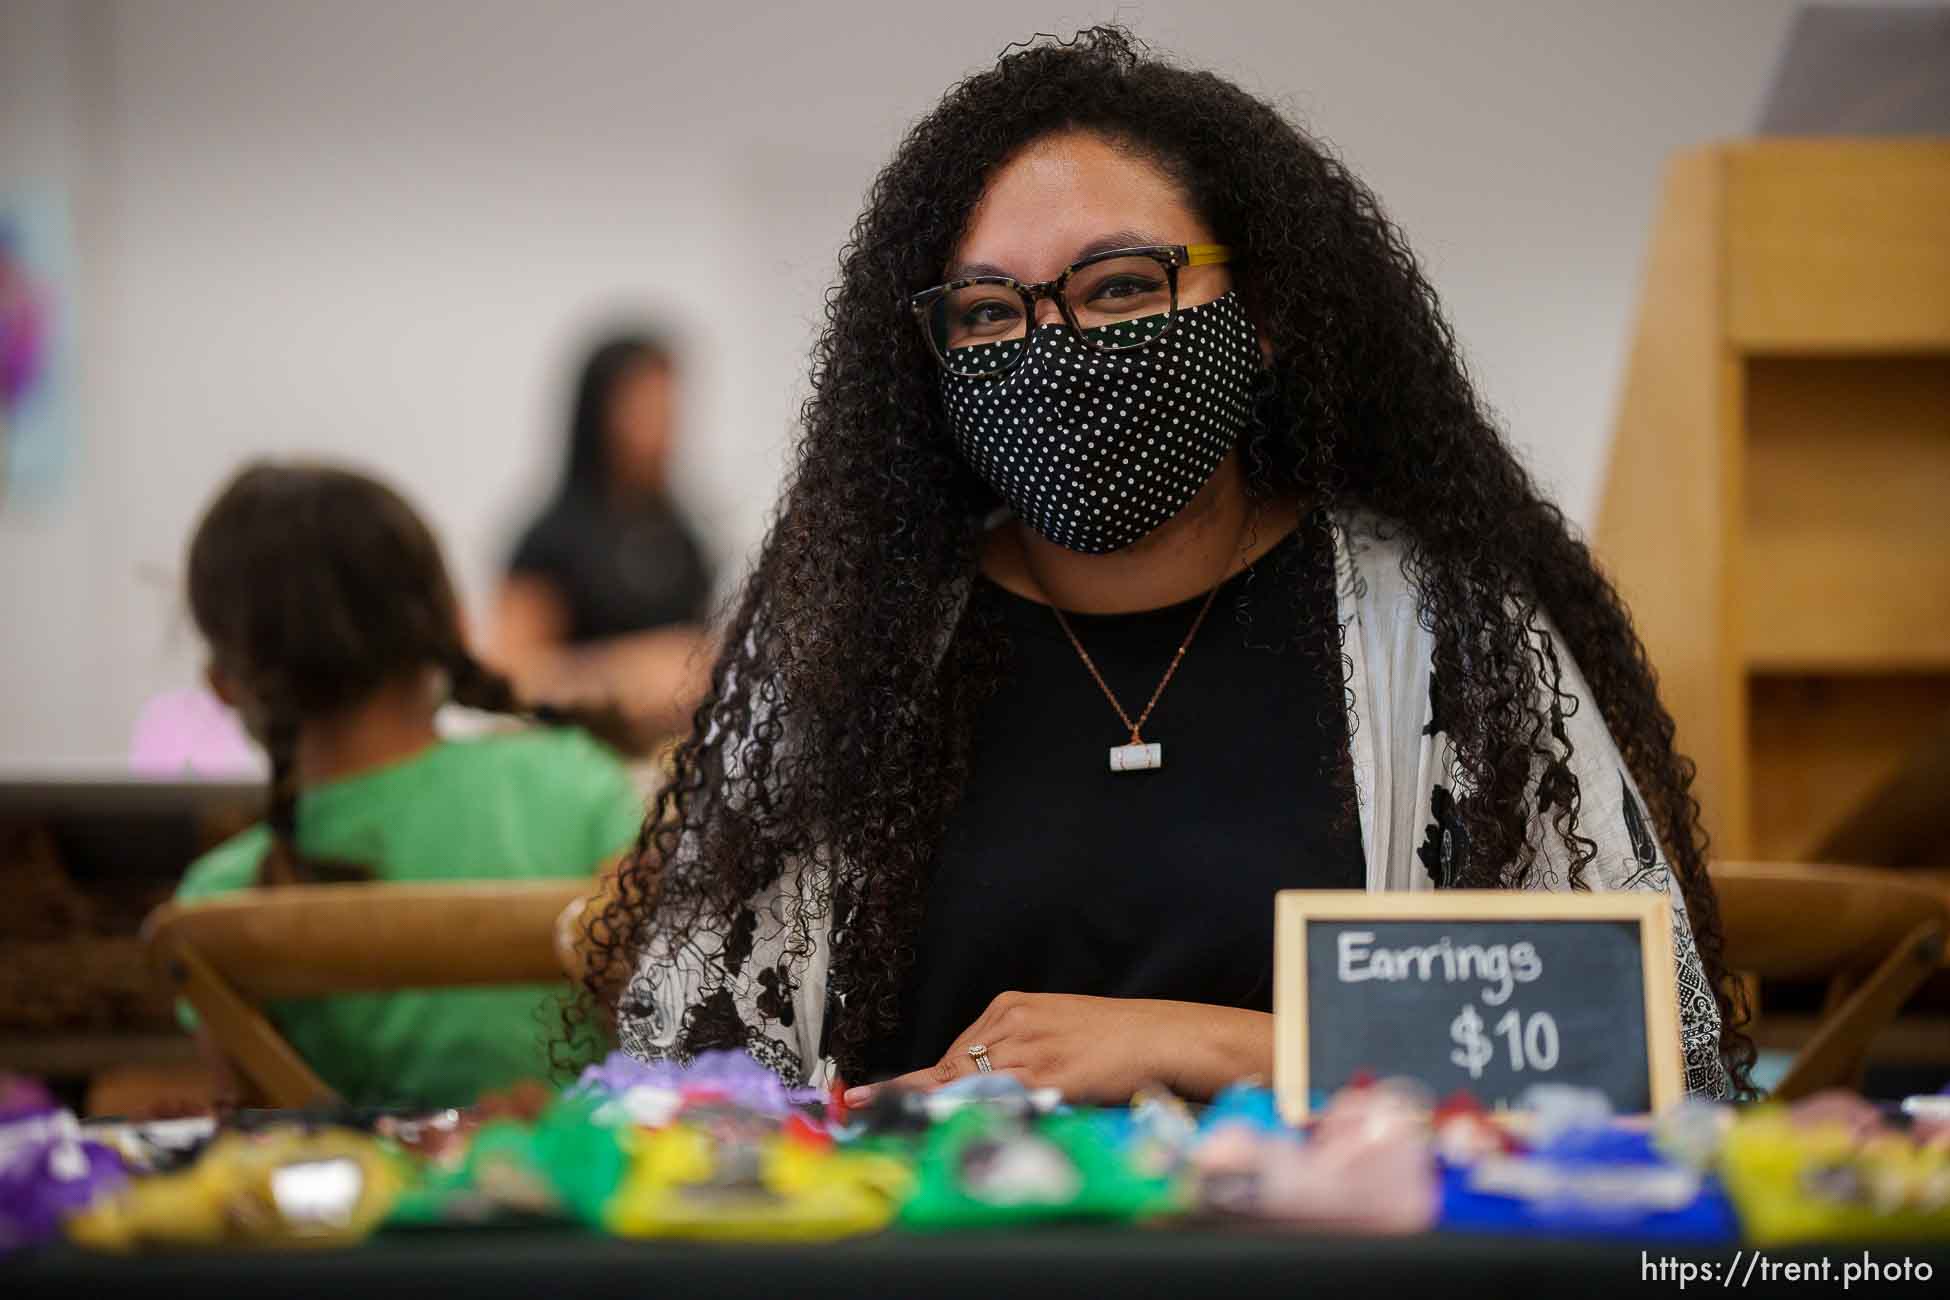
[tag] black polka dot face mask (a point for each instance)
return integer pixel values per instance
(1096, 449)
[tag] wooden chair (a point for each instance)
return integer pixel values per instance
(575, 955)
(572, 956)
(230, 955)
(1874, 936)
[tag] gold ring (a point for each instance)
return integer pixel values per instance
(980, 1052)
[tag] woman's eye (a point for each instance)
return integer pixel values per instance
(1120, 287)
(990, 314)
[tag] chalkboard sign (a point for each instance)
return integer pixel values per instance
(1480, 991)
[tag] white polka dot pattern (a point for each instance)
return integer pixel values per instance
(1096, 449)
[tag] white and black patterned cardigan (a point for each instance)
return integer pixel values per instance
(1406, 780)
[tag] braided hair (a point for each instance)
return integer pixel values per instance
(315, 587)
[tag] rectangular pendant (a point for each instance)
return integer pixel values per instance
(1136, 758)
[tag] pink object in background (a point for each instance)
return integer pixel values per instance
(189, 734)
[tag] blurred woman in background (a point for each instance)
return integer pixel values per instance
(333, 630)
(608, 590)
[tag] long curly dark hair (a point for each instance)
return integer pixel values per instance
(837, 729)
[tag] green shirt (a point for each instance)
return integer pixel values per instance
(518, 806)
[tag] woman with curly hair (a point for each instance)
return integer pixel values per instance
(1147, 551)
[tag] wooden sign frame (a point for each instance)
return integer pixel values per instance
(1294, 908)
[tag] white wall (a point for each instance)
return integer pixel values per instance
(372, 227)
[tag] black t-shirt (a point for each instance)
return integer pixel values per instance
(1057, 875)
(617, 569)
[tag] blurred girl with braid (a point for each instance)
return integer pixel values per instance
(334, 631)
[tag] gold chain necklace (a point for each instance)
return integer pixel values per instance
(1137, 755)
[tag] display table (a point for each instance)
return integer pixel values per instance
(1069, 1262)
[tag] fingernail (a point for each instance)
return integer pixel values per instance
(857, 1096)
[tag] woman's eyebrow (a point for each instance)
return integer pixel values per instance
(1101, 244)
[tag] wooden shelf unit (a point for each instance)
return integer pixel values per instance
(1777, 511)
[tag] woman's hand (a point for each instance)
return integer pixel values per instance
(1103, 1049)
